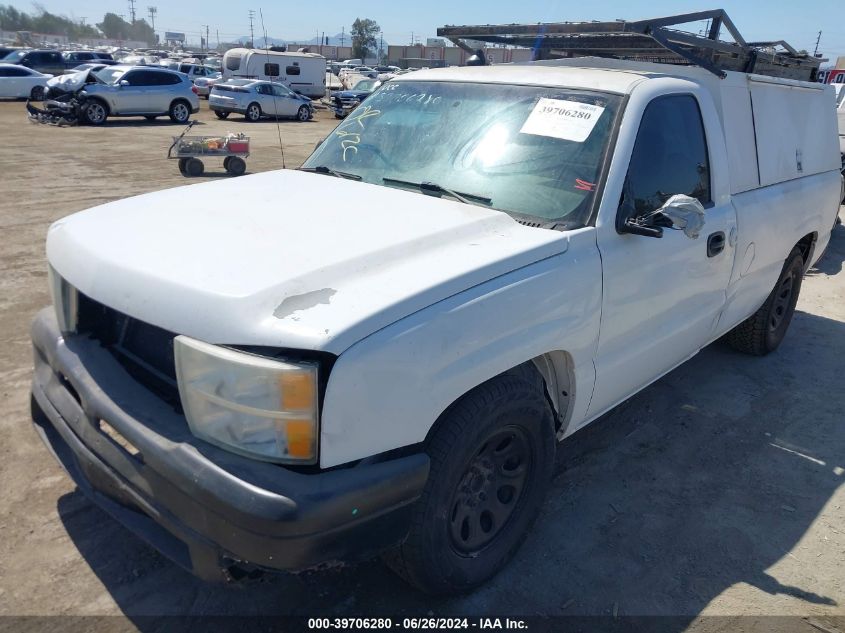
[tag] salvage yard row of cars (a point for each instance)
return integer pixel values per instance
(167, 88)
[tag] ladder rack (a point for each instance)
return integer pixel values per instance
(655, 40)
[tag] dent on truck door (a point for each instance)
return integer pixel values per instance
(663, 297)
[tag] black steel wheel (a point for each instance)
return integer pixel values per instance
(194, 167)
(221, 115)
(490, 490)
(492, 455)
(235, 165)
(183, 166)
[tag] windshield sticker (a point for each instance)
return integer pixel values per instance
(563, 119)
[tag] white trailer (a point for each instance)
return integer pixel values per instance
(304, 73)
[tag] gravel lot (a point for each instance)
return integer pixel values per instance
(716, 491)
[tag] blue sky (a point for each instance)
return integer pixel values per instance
(796, 22)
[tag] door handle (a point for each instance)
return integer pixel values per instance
(715, 243)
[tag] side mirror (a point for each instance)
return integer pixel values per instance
(123, 83)
(680, 212)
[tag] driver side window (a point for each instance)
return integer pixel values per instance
(670, 156)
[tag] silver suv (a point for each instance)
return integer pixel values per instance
(139, 91)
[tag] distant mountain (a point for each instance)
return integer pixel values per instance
(333, 40)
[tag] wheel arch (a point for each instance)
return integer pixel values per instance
(101, 101)
(807, 246)
(179, 100)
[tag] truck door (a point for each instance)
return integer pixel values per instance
(662, 297)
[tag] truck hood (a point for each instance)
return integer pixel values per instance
(286, 258)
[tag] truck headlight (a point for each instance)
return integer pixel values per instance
(256, 406)
(65, 301)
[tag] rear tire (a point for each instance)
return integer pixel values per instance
(180, 112)
(194, 167)
(183, 165)
(492, 456)
(764, 331)
(221, 115)
(253, 113)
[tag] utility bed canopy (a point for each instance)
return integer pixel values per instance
(654, 40)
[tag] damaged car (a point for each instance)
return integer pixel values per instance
(92, 96)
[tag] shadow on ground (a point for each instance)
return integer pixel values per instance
(705, 479)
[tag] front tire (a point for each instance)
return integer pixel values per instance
(763, 331)
(37, 93)
(492, 456)
(194, 167)
(95, 112)
(303, 114)
(180, 112)
(253, 113)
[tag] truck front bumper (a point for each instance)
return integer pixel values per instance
(212, 512)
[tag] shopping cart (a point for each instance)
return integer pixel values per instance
(189, 150)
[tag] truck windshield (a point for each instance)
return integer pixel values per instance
(530, 151)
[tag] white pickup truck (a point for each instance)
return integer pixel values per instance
(520, 249)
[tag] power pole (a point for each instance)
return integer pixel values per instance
(818, 39)
(251, 32)
(132, 10)
(205, 41)
(153, 11)
(342, 36)
(380, 47)
(218, 38)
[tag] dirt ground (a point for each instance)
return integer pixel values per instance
(716, 491)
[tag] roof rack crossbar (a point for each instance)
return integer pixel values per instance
(648, 40)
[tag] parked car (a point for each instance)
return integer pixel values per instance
(202, 76)
(20, 82)
(195, 71)
(94, 66)
(97, 65)
(205, 84)
(256, 99)
(344, 101)
(79, 57)
(44, 61)
(147, 91)
(5, 50)
(519, 249)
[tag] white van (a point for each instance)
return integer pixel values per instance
(304, 73)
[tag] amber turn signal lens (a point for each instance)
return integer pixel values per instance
(300, 438)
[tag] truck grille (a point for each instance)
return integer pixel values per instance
(144, 350)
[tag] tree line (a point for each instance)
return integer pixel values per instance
(112, 27)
